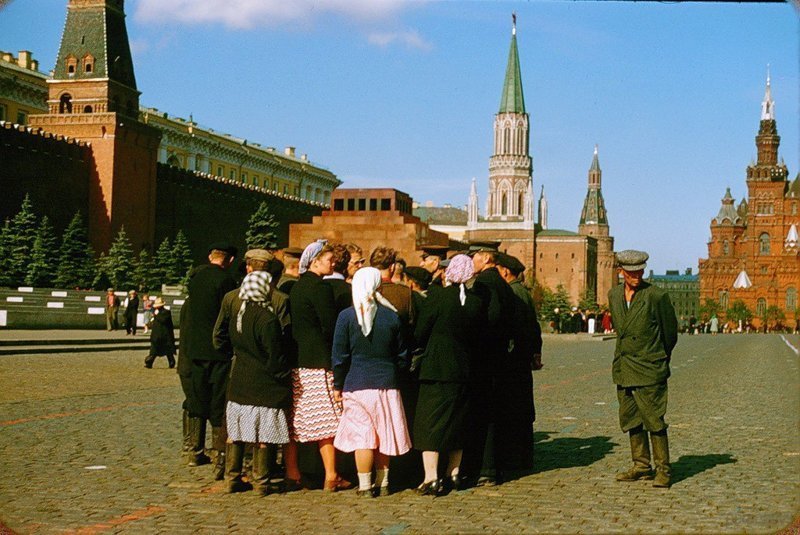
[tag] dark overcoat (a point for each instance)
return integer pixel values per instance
(313, 320)
(162, 335)
(646, 335)
(207, 286)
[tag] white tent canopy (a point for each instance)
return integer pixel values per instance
(791, 238)
(742, 280)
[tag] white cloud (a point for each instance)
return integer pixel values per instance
(245, 14)
(409, 38)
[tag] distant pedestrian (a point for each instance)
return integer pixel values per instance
(147, 311)
(162, 338)
(131, 312)
(368, 351)
(714, 324)
(112, 310)
(647, 333)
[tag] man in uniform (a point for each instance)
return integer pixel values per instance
(647, 331)
(209, 369)
(432, 257)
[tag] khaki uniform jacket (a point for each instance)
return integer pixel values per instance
(646, 335)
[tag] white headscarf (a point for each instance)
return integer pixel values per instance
(366, 297)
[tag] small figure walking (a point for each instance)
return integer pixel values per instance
(162, 337)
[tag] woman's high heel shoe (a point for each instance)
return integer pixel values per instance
(430, 488)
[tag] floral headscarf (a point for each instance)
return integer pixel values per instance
(459, 271)
(310, 253)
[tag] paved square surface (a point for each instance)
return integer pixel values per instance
(89, 443)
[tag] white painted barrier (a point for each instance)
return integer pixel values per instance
(26, 289)
(96, 310)
(56, 293)
(3, 318)
(55, 304)
(178, 301)
(14, 299)
(96, 298)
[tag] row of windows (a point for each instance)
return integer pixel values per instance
(768, 208)
(22, 116)
(541, 255)
(87, 63)
(352, 205)
(761, 303)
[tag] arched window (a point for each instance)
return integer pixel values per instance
(173, 161)
(520, 204)
(504, 205)
(72, 64)
(723, 300)
(791, 299)
(506, 140)
(726, 250)
(65, 104)
(763, 241)
(761, 307)
(87, 109)
(88, 63)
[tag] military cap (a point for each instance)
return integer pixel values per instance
(223, 246)
(294, 252)
(435, 250)
(511, 263)
(483, 246)
(631, 260)
(261, 255)
(419, 275)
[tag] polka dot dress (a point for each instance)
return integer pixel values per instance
(247, 423)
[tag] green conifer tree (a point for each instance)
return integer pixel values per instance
(76, 266)
(143, 272)
(41, 269)
(22, 234)
(119, 262)
(262, 229)
(5, 260)
(163, 263)
(181, 258)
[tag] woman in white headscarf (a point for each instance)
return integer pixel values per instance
(368, 350)
(448, 329)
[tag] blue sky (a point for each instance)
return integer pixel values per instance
(403, 94)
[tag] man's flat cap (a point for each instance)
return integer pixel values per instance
(261, 255)
(223, 246)
(631, 260)
(294, 252)
(511, 263)
(483, 246)
(435, 250)
(419, 275)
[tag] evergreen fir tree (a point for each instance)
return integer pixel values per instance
(5, 260)
(22, 234)
(181, 258)
(163, 263)
(262, 229)
(41, 270)
(119, 262)
(143, 272)
(76, 266)
(102, 273)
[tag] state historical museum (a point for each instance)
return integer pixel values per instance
(754, 254)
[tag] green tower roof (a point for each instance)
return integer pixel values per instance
(512, 101)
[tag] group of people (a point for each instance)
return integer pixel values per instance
(418, 369)
(582, 321)
(398, 364)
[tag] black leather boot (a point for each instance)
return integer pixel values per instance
(197, 438)
(661, 459)
(260, 473)
(640, 453)
(234, 455)
(187, 437)
(218, 438)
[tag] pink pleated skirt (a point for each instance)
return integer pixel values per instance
(373, 420)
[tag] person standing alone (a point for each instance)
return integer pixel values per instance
(647, 331)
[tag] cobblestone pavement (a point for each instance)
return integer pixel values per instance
(735, 437)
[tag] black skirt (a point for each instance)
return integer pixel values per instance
(441, 416)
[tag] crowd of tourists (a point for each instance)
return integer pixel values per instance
(419, 370)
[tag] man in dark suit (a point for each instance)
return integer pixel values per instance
(209, 368)
(131, 312)
(481, 463)
(647, 331)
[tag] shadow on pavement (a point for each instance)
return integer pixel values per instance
(690, 465)
(568, 452)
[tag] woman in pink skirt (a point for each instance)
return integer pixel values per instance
(368, 350)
